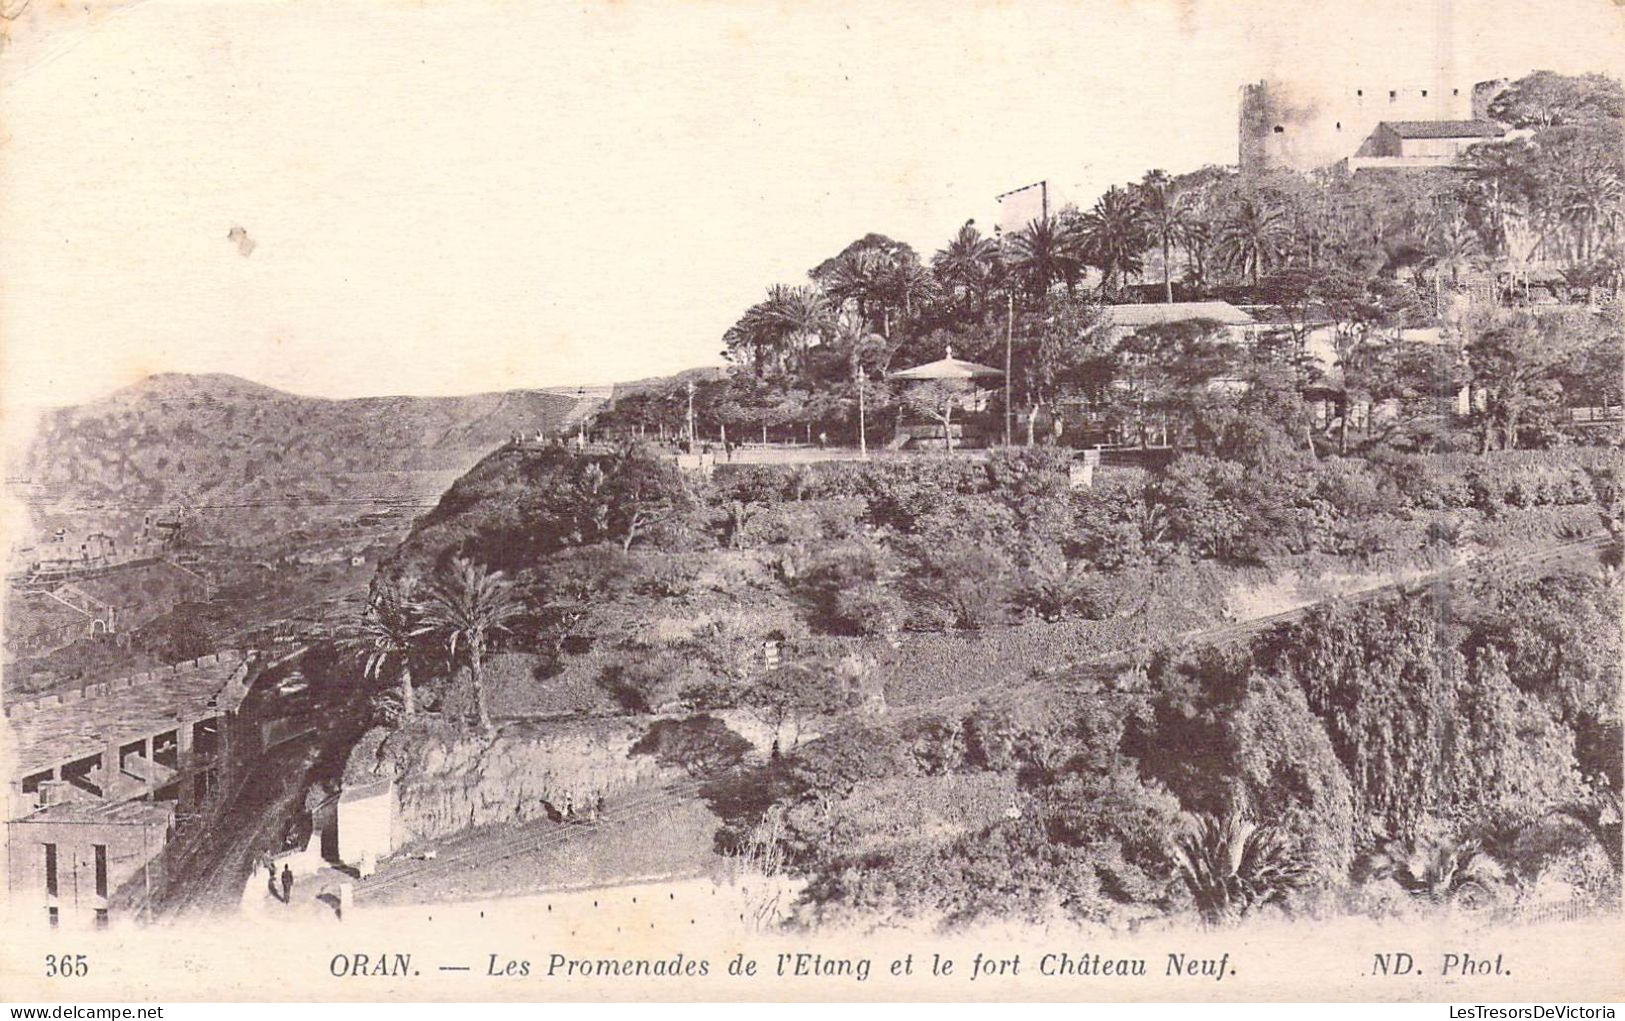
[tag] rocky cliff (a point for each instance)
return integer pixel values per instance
(448, 780)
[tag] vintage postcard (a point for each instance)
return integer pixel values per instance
(732, 500)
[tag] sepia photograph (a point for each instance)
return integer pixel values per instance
(763, 500)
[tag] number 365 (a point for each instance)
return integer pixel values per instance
(66, 966)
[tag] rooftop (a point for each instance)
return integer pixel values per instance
(56, 729)
(112, 812)
(949, 368)
(1446, 129)
(1158, 313)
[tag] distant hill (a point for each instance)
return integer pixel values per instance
(219, 442)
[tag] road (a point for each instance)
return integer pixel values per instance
(211, 877)
(206, 869)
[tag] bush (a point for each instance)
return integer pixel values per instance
(1057, 590)
(699, 744)
(641, 681)
(958, 583)
(823, 520)
(1229, 738)
(1416, 730)
(849, 592)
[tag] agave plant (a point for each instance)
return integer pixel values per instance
(1439, 869)
(1601, 814)
(1233, 866)
(1056, 589)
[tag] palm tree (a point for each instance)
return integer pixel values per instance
(1250, 239)
(1043, 252)
(388, 636)
(466, 605)
(1601, 814)
(1452, 243)
(804, 315)
(1232, 866)
(857, 277)
(908, 286)
(1197, 240)
(1113, 237)
(1590, 205)
(967, 266)
(1167, 217)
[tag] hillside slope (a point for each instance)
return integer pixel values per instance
(218, 439)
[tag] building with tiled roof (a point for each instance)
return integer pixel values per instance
(1476, 130)
(1404, 144)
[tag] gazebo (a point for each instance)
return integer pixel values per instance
(949, 368)
(944, 385)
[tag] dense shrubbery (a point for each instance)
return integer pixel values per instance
(1422, 730)
(1380, 725)
(520, 505)
(1373, 747)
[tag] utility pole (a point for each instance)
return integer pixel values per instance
(863, 432)
(691, 436)
(1009, 342)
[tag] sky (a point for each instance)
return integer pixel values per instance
(345, 199)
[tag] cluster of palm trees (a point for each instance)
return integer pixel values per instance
(1112, 238)
(879, 289)
(1560, 202)
(1554, 200)
(449, 621)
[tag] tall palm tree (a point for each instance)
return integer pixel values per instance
(387, 637)
(1590, 206)
(1167, 217)
(467, 605)
(1250, 239)
(1044, 252)
(803, 313)
(1113, 236)
(858, 278)
(908, 287)
(1451, 241)
(1197, 240)
(757, 338)
(966, 267)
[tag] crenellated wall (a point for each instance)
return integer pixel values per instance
(68, 696)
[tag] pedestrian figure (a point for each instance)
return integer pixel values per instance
(569, 808)
(287, 885)
(270, 874)
(774, 753)
(823, 439)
